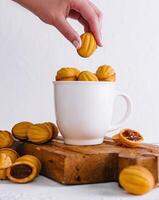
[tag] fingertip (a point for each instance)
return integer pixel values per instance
(77, 43)
(99, 40)
(100, 44)
(80, 43)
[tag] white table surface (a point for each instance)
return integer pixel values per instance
(45, 189)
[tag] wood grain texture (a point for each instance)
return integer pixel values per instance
(70, 164)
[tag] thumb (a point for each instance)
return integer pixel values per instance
(66, 29)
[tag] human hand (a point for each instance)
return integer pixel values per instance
(56, 12)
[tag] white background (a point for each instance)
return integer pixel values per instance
(31, 52)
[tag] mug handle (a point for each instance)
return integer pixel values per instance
(127, 113)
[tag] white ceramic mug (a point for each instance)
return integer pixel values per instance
(84, 110)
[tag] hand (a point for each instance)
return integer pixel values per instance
(56, 12)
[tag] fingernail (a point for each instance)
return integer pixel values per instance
(76, 44)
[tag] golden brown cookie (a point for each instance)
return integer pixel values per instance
(87, 76)
(7, 158)
(136, 180)
(88, 46)
(106, 73)
(38, 134)
(19, 130)
(24, 170)
(67, 74)
(6, 139)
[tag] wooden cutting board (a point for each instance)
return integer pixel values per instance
(69, 164)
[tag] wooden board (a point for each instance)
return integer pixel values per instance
(69, 164)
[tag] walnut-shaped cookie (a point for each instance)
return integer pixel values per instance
(67, 74)
(106, 73)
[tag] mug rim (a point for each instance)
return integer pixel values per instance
(85, 82)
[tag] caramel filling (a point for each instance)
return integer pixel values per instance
(21, 171)
(131, 135)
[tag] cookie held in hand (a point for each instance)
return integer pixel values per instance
(88, 46)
